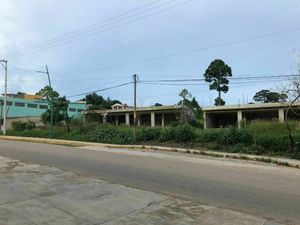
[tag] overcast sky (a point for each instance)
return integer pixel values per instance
(150, 41)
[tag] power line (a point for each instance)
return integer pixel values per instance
(80, 36)
(197, 84)
(234, 77)
(229, 78)
(229, 43)
(104, 89)
(84, 29)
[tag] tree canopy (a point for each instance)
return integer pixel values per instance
(266, 96)
(46, 93)
(194, 111)
(216, 74)
(60, 107)
(96, 101)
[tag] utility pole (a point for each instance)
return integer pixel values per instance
(51, 99)
(4, 64)
(134, 114)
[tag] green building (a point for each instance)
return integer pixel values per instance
(25, 109)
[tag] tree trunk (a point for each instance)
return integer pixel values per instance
(290, 137)
(219, 98)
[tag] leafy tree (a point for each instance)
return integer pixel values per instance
(98, 102)
(219, 101)
(266, 96)
(216, 74)
(158, 104)
(185, 94)
(60, 107)
(192, 110)
(60, 112)
(46, 93)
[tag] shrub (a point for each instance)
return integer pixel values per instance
(167, 134)
(234, 136)
(110, 134)
(21, 126)
(148, 134)
(275, 144)
(296, 152)
(183, 133)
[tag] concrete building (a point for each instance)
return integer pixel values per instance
(146, 116)
(24, 109)
(233, 115)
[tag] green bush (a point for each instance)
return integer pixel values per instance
(148, 134)
(296, 152)
(183, 133)
(110, 134)
(167, 134)
(275, 144)
(233, 136)
(21, 126)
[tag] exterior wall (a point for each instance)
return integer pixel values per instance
(17, 107)
(247, 113)
(24, 110)
(36, 120)
(148, 116)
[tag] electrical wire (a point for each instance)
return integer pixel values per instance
(99, 90)
(82, 35)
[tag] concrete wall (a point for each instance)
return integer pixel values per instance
(152, 119)
(217, 119)
(36, 120)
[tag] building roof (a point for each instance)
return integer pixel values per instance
(248, 106)
(139, 109)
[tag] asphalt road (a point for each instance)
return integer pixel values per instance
(270, 192)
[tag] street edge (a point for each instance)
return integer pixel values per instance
(265, 159)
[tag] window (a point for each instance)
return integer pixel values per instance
(43, 106)
(32, 105)
(7, 103)
(72, 109)
(79, 110)
(20, 104)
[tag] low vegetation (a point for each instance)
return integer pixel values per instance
(261, 138)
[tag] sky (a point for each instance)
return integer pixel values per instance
(90, 45)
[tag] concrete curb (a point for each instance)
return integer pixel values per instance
(266, 159)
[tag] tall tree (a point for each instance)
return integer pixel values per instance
(46, 93)
(266, 96)
(216, 74)
(185, 95)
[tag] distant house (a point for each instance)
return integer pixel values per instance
(119, 106)
(27, 109)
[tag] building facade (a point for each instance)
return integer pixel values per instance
(146, 116)
(234, 115)
(26, 109)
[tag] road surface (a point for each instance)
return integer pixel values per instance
(271, 192)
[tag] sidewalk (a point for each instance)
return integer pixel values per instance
(276, 160)
(34, 194)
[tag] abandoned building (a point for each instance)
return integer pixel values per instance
(146, 116)
(234, 115)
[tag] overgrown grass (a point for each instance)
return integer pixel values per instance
(262, 138)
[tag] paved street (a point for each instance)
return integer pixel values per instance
(262, 190)
(34, 194)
